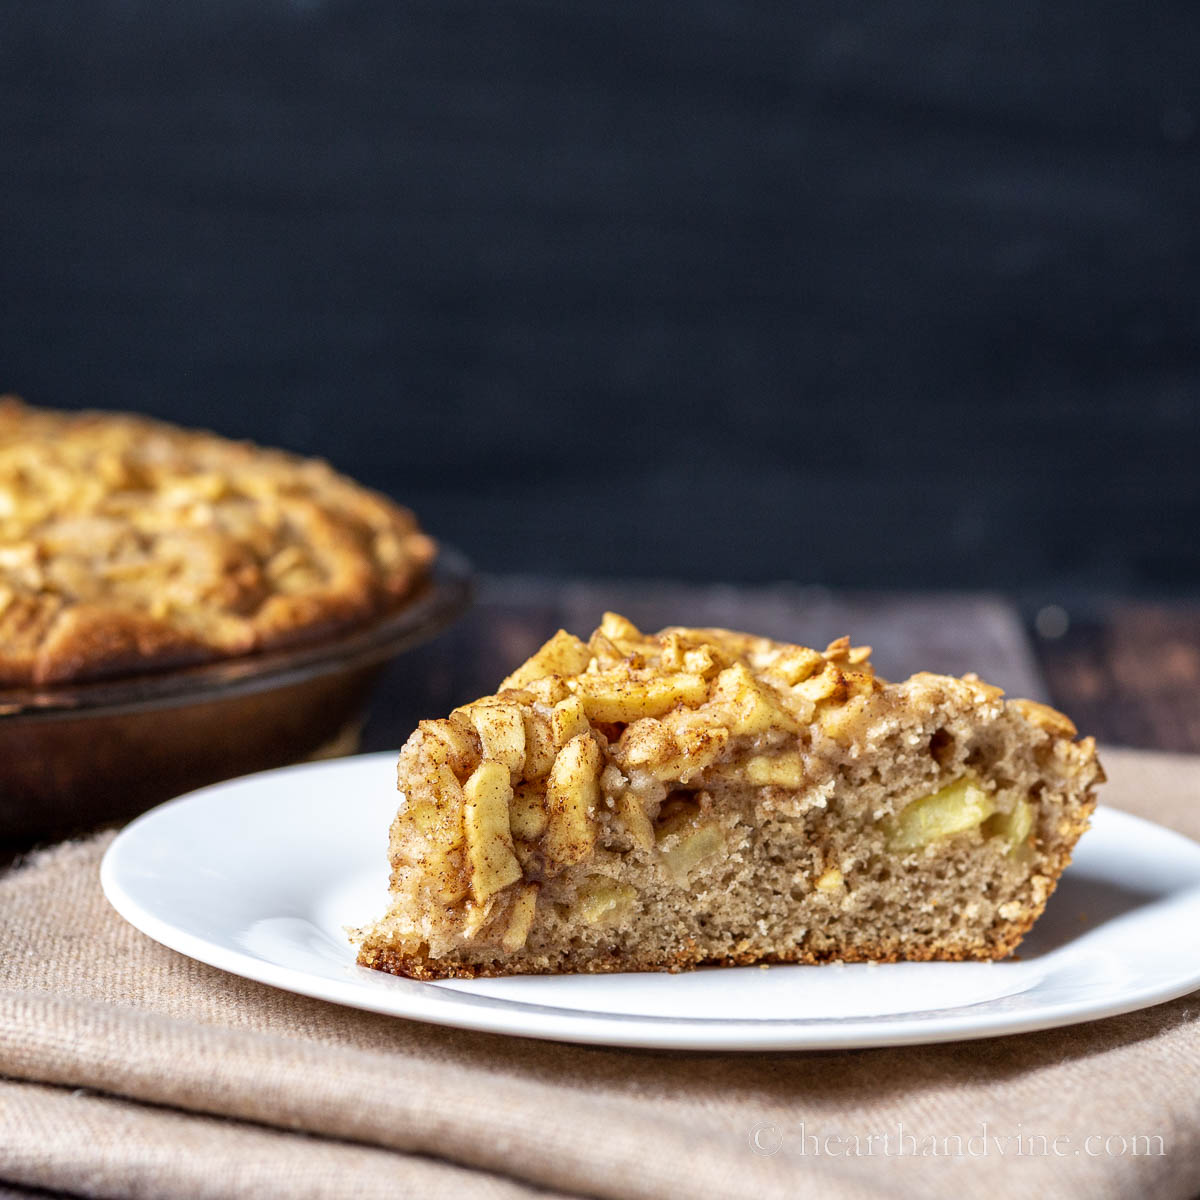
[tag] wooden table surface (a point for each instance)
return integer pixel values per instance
(1127, 672)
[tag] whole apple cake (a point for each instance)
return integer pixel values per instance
(701, 796)
(129, 545)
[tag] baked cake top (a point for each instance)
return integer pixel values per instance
(676, 700)
(127, 544)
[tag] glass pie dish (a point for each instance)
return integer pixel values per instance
(78, 755)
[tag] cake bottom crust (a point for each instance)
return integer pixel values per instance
(689, 957)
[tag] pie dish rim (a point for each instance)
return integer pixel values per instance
(438, 599)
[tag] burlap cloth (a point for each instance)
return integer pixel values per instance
(133, 1071)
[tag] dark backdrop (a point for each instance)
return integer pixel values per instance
(858, 293)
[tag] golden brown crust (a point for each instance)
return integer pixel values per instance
(130, 545)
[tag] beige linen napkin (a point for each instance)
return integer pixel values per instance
(133, 1071)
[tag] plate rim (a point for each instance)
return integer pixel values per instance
(431, 1003)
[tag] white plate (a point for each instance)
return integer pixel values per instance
(259, 876)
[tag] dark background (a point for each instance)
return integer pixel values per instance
(875, 294)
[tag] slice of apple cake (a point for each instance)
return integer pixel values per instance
(641, 802)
